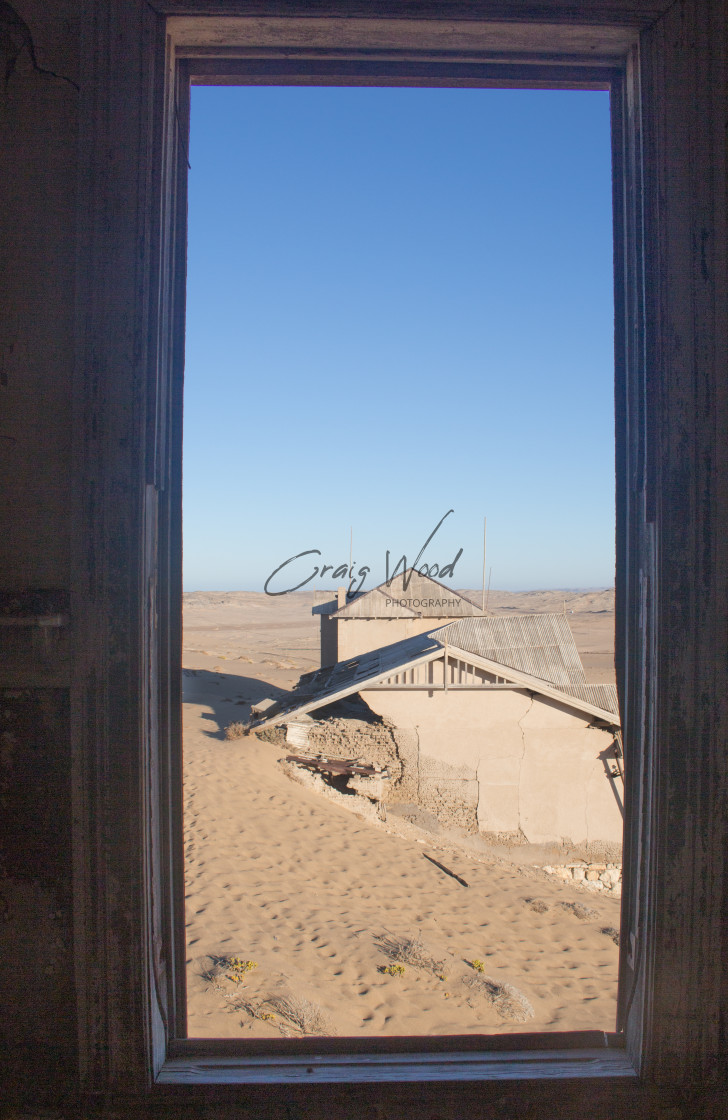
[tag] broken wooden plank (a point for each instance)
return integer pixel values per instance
(452, 874)
(337, 766)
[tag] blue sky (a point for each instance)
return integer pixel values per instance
(399, 303)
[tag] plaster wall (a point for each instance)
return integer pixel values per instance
(360, 635)
(507, 761)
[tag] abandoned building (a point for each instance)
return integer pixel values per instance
(408, 604)
(93, 119)
(495, 728)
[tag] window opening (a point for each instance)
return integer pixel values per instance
(399, 305)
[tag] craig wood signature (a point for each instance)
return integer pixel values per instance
(346, 571)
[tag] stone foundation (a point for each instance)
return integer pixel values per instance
(592, 876)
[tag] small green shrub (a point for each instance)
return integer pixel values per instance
(238, 968)
(393, 969)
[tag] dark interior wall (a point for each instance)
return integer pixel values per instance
(37, 975)
(39, 44)
(38, 122)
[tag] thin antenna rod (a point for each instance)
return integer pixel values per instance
(351, 550)
(487, 598)
(482, 601)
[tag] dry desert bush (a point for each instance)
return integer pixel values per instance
(306, 1016)
(235, 730)
(610, 931)
(408, 950)
(507, 1000)
(256, 1008)
(288, 1011)
(583, 913)
(538, 905)
(214, 970)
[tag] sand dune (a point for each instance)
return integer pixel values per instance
(279, 876)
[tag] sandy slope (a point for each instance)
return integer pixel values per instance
(278, 875)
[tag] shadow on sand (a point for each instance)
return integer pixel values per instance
(230, 696)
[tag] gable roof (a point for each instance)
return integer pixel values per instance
(423, 597)
(335, 682)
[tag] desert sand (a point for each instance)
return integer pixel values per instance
(321, 900)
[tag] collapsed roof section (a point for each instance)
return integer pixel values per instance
(520, 650)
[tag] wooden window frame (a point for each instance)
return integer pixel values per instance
(139, 61)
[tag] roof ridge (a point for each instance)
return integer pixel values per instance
(384, 589)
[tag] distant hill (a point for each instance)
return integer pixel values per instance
(591, 600)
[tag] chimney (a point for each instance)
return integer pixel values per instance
(340, 597)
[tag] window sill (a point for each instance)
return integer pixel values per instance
(210, 1063)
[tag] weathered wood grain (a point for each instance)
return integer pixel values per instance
(514, 1065)
(120, 116)
(629, 13)
(510, 39)
(684, 464)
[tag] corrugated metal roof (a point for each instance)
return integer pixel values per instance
(541, 645)
(422, 597)
(602, 696)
